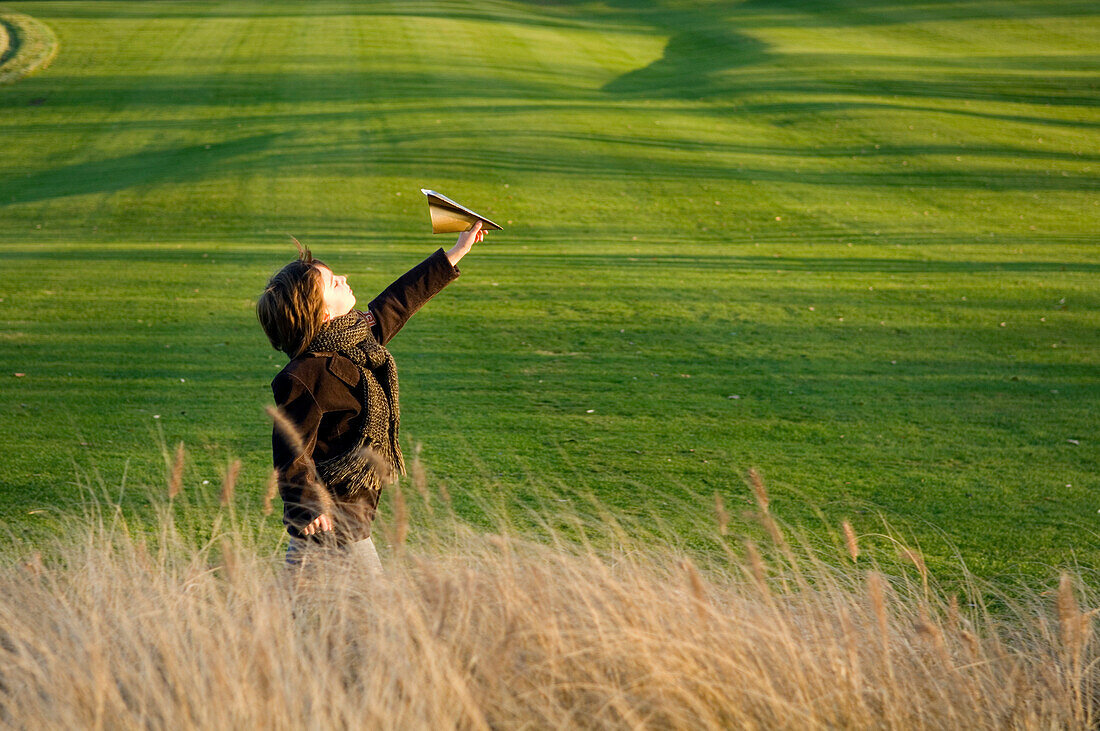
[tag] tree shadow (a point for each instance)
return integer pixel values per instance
(243, 89)
(606, 264)
(740, 263)
(713, 66)
(845, 14)
(172, 164)
(424, 153)
(707, 48)
(519, 13)
(798, 110)
(689, 60)
(704, 57)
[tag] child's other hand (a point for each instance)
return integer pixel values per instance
(321, 522)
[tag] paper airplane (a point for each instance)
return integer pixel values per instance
(450, 217)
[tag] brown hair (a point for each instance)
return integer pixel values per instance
(291, 308)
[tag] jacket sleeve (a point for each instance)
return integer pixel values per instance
(295, 470)
(400, 301)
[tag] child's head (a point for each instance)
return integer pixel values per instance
(292, 306)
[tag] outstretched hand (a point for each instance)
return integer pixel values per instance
(466, 241)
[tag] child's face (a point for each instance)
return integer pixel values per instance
(338, 297)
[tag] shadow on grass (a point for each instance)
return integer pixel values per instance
(769, 13)
(243, 88)
(425, 154)
(715, 65)
(842, 14)
(690, 57)
(605, 263)
(792, 112)
(848, 264)
(706, 56)
(9, 50)
(172, 164)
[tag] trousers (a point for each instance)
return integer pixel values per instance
(363, 552)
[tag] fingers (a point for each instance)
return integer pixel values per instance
(472, 235)
(476, 233)
(321, 522)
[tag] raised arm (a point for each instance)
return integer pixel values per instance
(400, 301)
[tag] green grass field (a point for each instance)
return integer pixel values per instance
(852, 244)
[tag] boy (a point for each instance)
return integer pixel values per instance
(337, 437)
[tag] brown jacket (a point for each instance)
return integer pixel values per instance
(316, 391)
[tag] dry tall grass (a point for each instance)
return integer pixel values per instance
(111, 629)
